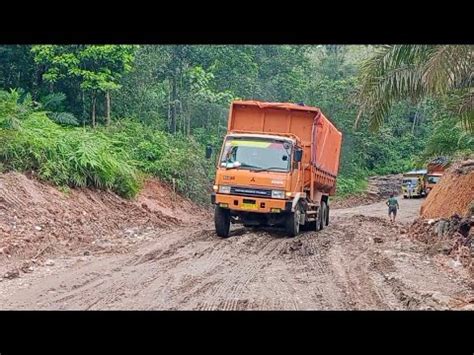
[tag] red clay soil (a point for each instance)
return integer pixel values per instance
(37, 219)
(449, 236)
(454, 194)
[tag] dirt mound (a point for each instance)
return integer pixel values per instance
(449, 236)
(454, 194)
(37, 219)
(158, 197)
(378, 189)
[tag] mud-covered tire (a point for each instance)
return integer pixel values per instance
(327, 215)
(310, 226)
(292, 225)
(322, 216)
(222, 222)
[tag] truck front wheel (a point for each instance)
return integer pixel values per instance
(222, 222)
(293, 222)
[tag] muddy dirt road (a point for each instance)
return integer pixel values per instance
(360, 261)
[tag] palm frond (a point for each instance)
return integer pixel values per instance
(65, 118)
(466, 111)
(414, 71)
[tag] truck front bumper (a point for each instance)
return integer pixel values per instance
(244, 203)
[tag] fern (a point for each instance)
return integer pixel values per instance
(53, 102)
(65, 118)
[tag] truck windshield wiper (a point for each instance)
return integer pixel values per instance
(244, 165)
(270, 168)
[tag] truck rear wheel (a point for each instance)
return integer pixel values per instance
(323, 216)
(327, 215)
(292, 225)
(222, 222)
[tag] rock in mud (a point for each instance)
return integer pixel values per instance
(12, 274)
(454, 264)
(49, 262)
(297, 246)
(441, 228)
(377, 240)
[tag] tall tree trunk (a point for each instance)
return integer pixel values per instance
(189, 125)
(188, 120)
(93, 109)
(83, 108)
(107, 99)
(173, 102)
(414, 122)
(169, 107)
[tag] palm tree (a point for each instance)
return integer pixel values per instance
(397, 72)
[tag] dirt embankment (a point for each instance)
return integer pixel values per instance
(379, 188)
(452, 237)
(447, 217)
(38, 220)
(454, 194)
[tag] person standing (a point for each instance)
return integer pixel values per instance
(410, 189)
(393, 206)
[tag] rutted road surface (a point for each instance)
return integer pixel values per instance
(360, 261)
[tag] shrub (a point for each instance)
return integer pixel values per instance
(67, 156)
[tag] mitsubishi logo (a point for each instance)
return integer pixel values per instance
(252, 180)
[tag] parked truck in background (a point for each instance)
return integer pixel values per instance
(278, 166)
(423, 181)
(414, 183)
(435, 171)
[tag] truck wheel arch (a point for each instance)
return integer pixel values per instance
(296, 199)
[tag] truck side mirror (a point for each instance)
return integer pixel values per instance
(298, 155)
(208, 152)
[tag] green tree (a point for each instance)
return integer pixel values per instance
(96, 68)
(415, 72)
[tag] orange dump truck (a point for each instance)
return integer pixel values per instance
(277, 166)
(435, 169)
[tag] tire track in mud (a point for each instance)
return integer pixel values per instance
(237, 276)
(189, 267)
(316, 277)
(361, 269)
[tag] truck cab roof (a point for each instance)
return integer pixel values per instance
(416, 172)
(262, 136)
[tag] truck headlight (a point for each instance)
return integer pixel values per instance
(224, 189)
(278, 194)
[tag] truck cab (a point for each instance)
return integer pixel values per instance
(431, 180)
(256, 177)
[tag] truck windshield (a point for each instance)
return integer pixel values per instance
(256, 154)
(433, 179)
(412, 181)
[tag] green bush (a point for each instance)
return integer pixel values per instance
(67, 156)
(178, 159)
(347, 186)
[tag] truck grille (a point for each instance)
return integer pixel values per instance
(243, 191)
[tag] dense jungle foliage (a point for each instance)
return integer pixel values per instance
(108, 115)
